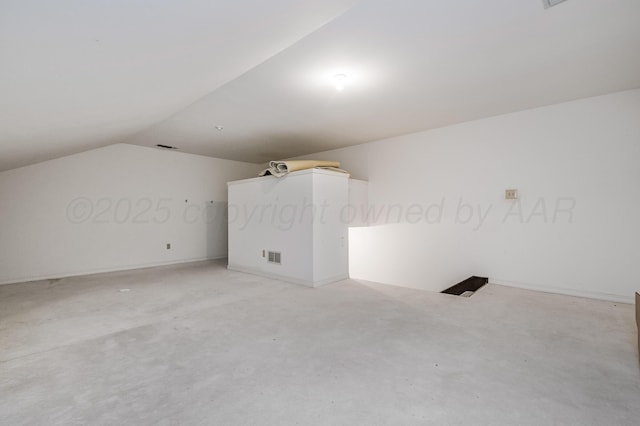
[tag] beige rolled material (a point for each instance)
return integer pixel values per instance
(281, 168)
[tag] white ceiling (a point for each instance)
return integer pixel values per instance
(84, 74)
(78, 74)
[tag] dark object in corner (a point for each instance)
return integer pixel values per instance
(469, 285)
(165, 146)
(638, 319)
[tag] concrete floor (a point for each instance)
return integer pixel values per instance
(197, 344)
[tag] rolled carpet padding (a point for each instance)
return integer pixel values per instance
(281, 168)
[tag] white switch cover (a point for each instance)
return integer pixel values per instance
(511, 194)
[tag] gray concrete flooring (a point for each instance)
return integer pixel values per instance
(199, 345)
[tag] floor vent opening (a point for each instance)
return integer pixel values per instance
(467, 287)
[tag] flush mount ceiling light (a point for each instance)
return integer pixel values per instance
(340, 80)
(219, 128)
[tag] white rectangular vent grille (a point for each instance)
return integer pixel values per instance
(275, 257)
(551, 3)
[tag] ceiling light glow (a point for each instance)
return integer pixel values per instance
(340, 81)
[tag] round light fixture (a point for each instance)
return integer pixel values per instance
(340, 81)
(219, 128)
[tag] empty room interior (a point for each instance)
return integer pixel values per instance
(336, 212)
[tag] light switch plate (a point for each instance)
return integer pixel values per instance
(511, 194)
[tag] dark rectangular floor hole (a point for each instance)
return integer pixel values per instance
(468, 286)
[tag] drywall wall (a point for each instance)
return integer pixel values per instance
(439, 215)
(330, 231)
(355, 213)
(113, 208)
(297, 216)
(270, 214)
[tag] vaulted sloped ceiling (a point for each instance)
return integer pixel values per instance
(80, 74)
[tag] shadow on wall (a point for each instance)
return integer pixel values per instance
(216, 228)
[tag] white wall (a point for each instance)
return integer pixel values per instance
(113, 208)
(585, 152)
(355, 214)
(298, 216)
(271, 214)
(330, 232)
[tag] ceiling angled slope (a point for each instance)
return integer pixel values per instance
(412, 65)
(76, 75)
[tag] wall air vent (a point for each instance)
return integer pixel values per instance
(274, 257)
(166, 146)
(551, 3)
